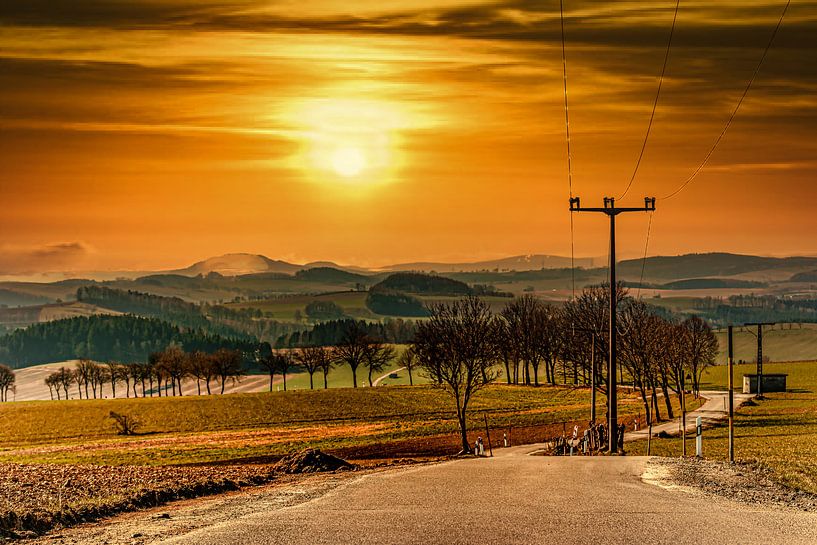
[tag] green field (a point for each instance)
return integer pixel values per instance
(341, 377)
(283, 308)
(779, 432)
(779, 343)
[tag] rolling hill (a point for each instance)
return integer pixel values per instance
(237, 264)
(516, 263)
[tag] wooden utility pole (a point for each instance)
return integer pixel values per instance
(759, 354)
(612, 211)
(731, 396)
(683, 415)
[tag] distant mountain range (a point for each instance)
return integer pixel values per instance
(241, 264)
(532, 262)
(657, 268)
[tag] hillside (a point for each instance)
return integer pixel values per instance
(514, 263)
(332, 275)
(237, 264)
(709, 265)
(22, 316)
(422, 284)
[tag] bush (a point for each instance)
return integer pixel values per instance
(124, 424)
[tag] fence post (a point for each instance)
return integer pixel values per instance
(488, 435)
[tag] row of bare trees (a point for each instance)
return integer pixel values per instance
(356, 349)
(7, 382)
(463, 346)
(661, 355)
(162, 374)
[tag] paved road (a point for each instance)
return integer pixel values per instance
(714, 410)
(376, 382)
(513, 498)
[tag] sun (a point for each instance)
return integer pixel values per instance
(355, 141)
(348, 161)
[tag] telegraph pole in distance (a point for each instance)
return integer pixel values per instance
(759, 354)
(612, 211)
(731, 396)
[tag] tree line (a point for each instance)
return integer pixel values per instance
(108, 338)
(162, 374)
(165, 371)
(330, 333)
(463, 347)
(243, 323)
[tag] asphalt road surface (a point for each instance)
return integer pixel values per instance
(513, 498)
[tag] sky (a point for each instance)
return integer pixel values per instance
(151, 134)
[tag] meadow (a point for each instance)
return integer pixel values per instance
(778, 432)
(385, 422)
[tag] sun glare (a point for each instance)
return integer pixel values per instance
(348, 140)
(348, 162)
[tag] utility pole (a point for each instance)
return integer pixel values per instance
(759, 354)
(683, 415)
(612, 211)
(731, 396)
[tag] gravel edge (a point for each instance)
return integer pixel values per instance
(743, 482)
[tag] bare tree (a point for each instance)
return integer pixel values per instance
(377, 357)
(174, 362)
(309, 358)
(454, 348)
(506, 349)
(408, 359)
(640, 350)
(134, 371)
(703, 348)
(82, 373)
(283, 361)
(326, 363)
(97, 377)
(270, 365)
(200, 367)
(7, 382)
(521, 326)
(352, 348)
(65, 378)
(50, 382)
(114, 375)
(227, 366)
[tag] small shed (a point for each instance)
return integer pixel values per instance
(772, 382)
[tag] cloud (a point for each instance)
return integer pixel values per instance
(69, 256)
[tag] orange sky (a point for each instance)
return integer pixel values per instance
(138, 135)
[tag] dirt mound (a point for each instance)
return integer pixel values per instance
(311, 461)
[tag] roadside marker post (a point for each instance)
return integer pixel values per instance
(699, 447)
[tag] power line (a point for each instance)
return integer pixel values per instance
(644, 260)
(655, 103)
(569, 156)
(737, 107)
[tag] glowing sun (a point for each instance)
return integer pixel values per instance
(356, 140)
(348, 161)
